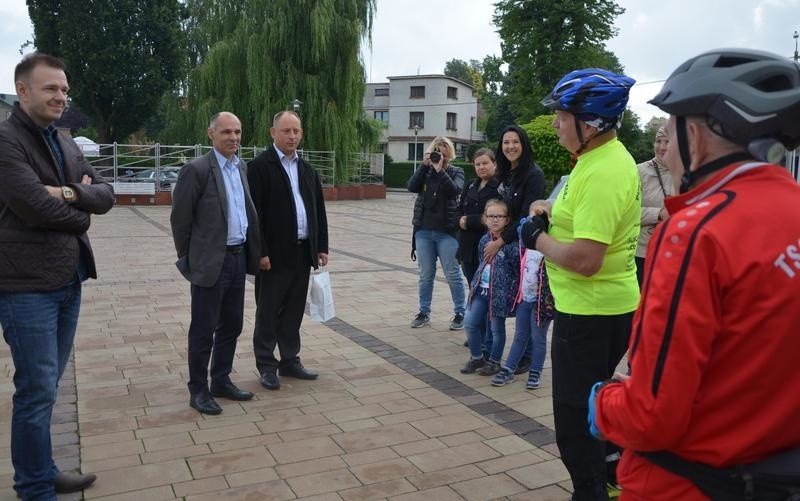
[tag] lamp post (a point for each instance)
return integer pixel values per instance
(296, 106)
(416, 131)
(796, 55)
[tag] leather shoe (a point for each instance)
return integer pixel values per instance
(230, 391)
(67, 481)
(205, 404)
(269, 380)
(297, 370)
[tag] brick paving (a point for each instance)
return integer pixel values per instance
(391, 416)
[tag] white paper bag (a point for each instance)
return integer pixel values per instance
(321, 308)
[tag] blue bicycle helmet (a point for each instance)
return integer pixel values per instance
(591, 93)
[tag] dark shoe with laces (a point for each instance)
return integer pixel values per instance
(230, 391)
(204, 403)
(269, 380)
(420, 320)
(472, 365)
(457, 323)
(296, 370)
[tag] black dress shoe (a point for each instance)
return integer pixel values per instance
(205, 404)
(230, 391)
(68, 481)
(269, 380)
(297, 370)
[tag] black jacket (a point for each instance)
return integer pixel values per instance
(473, 202)
(277, 216)
(443, 188)
(522, 189)
(41, 237)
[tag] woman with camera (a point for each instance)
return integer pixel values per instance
(438, 185)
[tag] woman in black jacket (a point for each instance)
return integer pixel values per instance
(521, 184)
(521, 181)
(482, 189)
(438, 185)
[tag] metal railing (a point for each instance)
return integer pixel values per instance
(160, 163)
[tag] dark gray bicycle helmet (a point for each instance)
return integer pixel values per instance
(745, 95)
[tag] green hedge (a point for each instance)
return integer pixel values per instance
(397, 174)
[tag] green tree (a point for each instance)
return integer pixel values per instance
(267, 53)
(468, 72)
(554, 160)
(122, 56)
(542, 40)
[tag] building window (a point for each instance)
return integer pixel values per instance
(417, 91)
(382, 115)
(381, 91)
(416, 118)
(416, 155)
(451, 121)
(452, 93)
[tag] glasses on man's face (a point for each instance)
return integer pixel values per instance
(496, 217)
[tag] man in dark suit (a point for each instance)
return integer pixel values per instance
(287, 193)
(215, 228)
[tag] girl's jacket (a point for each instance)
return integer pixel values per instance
(504, 281)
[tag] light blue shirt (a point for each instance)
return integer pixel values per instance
(290, 165)
(234, 191)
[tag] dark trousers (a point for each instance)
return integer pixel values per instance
(216, 324)
(639, 270)
(585, 349)
(281, 301)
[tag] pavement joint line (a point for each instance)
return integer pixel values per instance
(528, 429)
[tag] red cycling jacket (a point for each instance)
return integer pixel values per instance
(715, 344)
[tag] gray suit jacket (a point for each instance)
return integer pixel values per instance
(199, 221)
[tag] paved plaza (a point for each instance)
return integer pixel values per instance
(390, 416)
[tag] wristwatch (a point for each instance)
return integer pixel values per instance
(69, 194)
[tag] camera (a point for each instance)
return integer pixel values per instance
(435, 156)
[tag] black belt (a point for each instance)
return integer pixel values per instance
(234, 249)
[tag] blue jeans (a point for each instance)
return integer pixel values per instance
(473, 322)
(430, 245)
(39, 327)
(530, 337)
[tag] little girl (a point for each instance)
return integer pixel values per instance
(493, 289)
(534, 313)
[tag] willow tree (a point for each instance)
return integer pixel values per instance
(257, 56)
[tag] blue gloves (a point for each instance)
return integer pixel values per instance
(591, 418)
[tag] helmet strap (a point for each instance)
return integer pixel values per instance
(683, 148)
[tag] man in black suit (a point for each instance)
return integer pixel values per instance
(287, 193)
(215, 228)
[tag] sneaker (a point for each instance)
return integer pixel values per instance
(524, 365)
(490, 369)
(614, 490)
(457, 323)
(503, 377)
(533, 381)
(472, 365)
(420, 320)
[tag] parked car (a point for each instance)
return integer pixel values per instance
(166, 177)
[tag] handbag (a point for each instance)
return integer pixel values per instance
(321, 306)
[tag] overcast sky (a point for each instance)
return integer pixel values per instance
(419, 36)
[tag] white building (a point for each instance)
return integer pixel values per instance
(418, 108)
